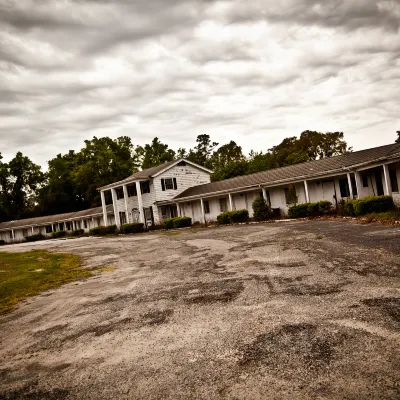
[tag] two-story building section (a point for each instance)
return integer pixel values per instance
(147, 196)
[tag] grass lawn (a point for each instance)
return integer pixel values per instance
(28, 274)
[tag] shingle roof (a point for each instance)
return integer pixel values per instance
(297, 171)
(53, 218)
(145, 174)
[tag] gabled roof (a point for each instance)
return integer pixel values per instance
(298, 171)
(49, 219)
(151, 173)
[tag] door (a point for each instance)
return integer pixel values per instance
(379, 183)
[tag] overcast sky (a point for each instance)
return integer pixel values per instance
(253, 71)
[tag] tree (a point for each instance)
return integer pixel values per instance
(291, 196)
(201, 153)
(154, 154)
(398, 137)
(262, 211)
(20, 180)
(258, 161)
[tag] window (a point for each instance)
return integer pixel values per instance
(77, 224)
(61, 226)
(353, 184)
(49, 229)
(223, 205)
(68, 226)
(344, 187)
(120, 193)
(206, 206)
(365, 180)
(393, 180)
(132, 190)
(145, 187)
(11, 234)
(85, 223)
(122, 217)
(168, 184)
(24, 232)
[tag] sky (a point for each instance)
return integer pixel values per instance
(252, 71)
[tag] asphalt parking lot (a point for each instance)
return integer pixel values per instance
(291, 310)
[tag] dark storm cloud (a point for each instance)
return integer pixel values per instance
(176, 68)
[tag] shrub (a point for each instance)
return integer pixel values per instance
(78, 232)
(168, 223)
(325, 206)
(223, 218)
(136, 227)
(182, 222)
(373, 204)
(103, 230)
(299, 211)
(312, 209)
(261, 210)
(349, 207)
(238, 216)
(2, 242)
(58, 234)
(34, 238)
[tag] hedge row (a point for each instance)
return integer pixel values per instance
(231, 217)
(370, 204)
(136, 227)
(178, 222)
(34, 238)
(103, 230)
(58, 234)
(310, 209)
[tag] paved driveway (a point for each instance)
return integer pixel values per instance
(294, 310)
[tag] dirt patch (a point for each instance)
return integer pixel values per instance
(389, 306)
(29, 393)
(218, 292)
(292, 347)
(156, 317)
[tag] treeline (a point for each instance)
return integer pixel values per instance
(72, 178)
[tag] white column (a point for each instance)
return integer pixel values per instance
(12, 234)
(140, 201)
(93, 222)
(359, 184)
(203, 214)
(350, 185)
(179, 210)
(264, 192)
(103, 204)
(125, 189)
(230, 202)
(387, 185)
(306, 192)
(116, 213)
(33, 231)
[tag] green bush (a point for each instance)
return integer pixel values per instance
(34, 238)
(223, 218)
(261, 210)
(58, 234)
(325, 206)
(168, 223)
(78, 232)
(103, 230)
(349, 207)
(312, 209)
(299, 211)
(373, 204)
(136, 227)
(182, 222)
(232, 217)
(238, 216)
(2, 242)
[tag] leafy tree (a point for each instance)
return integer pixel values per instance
(291, 196)
(201, 153)
(258, 161)
(154, 154)
(230, 171)
(262, 211)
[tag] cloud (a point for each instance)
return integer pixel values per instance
(252, 71)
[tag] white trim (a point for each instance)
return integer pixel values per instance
(177, 162)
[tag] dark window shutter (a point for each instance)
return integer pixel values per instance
(162, 184)
(175, 185)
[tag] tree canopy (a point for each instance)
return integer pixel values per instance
(72, 179)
